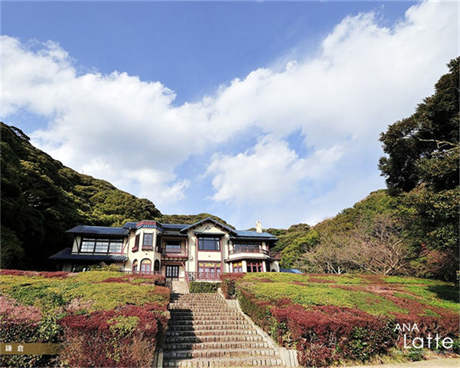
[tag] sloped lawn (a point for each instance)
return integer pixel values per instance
(336, 318)
(101, 318)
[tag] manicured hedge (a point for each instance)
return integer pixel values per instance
(204, 287)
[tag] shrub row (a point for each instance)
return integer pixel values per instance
(34, 273)
(324, 334)
(124, 337)
(327, 334)
(204, 287)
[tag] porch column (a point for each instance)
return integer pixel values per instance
(245, 266)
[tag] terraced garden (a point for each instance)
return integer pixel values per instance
(100, 318)
(339, 318)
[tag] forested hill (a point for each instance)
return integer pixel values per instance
(41, 198)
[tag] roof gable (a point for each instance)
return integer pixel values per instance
(209, 219)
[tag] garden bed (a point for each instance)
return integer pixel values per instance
(100, 318)
(337, 318)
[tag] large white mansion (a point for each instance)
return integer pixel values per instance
(200, 251)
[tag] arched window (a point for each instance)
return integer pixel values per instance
(146, 266)
(134, 267)
(156, 265)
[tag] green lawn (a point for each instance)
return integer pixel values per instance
(372, 294)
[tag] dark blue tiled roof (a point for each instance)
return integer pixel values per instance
(66, 255)
(98, 230)
(174, 226)
(130, 225)
(254, 234)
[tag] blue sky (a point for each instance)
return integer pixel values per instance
(246, 110)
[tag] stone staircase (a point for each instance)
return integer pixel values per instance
(205, 332)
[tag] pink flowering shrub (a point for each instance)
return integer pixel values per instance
(11, 310)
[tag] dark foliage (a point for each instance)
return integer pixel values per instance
(41, 198)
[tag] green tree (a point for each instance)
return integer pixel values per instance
(422, 171)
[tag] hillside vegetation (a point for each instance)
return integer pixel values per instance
(351, 317)
(41, 199)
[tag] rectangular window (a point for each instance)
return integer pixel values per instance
(209, 270)
(136, 243)
(247, 247)
(116, 246)
(102, 246)
(238, 267)
(148, 240)
(208, 243)
(254, 266)
(173, 246)
(87, 246)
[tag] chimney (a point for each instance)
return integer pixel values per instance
(258, 226)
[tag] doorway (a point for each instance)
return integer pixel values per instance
(172, 272)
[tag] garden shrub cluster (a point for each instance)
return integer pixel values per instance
(204, 287)
(325, 333)
(124, 337)
(99, 318)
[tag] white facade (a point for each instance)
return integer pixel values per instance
(201, 251)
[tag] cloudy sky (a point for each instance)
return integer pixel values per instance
(249, 111)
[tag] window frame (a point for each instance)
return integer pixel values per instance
(178, 243)
(203, 238)
(147, 246)
(95, 241)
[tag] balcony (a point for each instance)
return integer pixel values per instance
(247, 252)
(182, 255)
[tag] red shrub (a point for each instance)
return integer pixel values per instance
(34, 273)
(91, 340)
(321, 334)
(148, 279)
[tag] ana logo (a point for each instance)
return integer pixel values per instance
(419, 342)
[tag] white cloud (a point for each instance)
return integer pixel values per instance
(270, 172)
(363, 77)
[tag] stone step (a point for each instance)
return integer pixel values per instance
(207, 316)
(209, 320)
(214, 338)
(204, 327)
(221, 363)
(211, 332)
(218, 353)
(199, 322)
(215, 345)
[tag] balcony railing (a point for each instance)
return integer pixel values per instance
(248, 249)
(207, 276)
(178, 255)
